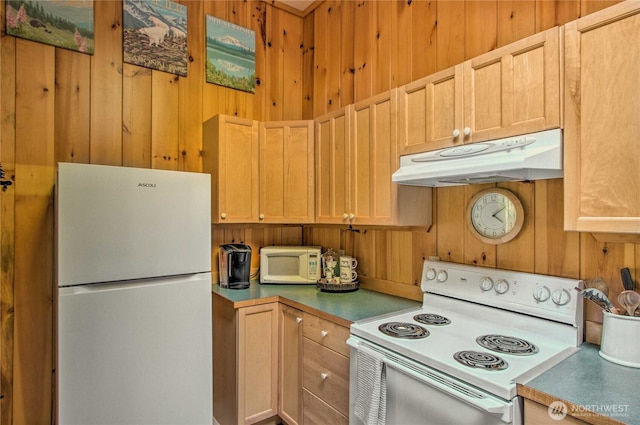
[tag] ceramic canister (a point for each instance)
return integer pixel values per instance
(620, 339)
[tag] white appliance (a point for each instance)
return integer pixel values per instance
(534, 156)
(134, 327)
(458, 358)
(290, 264)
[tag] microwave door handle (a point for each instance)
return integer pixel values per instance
(487, 404)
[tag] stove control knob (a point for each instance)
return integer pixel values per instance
(561, 297)
(501, 286)
(431, 273)
(541, 294)
(442, 276)
(486, 284)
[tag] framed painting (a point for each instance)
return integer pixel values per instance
(64, 23)
(154, 35)
(231, 55)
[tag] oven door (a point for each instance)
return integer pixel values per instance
(417, 394)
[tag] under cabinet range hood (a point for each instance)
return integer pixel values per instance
(534, 156)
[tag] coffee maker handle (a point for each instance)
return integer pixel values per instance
(230, 268)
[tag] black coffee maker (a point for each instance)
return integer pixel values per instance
(235, 266)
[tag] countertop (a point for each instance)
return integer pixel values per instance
(343, 307)
(597, 391)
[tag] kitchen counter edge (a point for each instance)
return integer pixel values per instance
(341, 308)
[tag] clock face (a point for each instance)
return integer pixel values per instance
(496, 215)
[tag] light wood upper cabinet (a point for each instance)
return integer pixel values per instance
(290, 365)
(333, 167)
(509, 91)
(287, 172)
(231, 156)
(602, 121)
(429, 111)
(260, 172)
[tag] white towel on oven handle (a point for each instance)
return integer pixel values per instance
(371, 387)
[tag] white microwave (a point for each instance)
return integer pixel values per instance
(290, 264)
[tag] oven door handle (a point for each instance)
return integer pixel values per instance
(488, 404)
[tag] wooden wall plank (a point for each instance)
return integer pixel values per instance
(7, 223)
(480, 27)
(510, 255)
(402, 42)
(449, 207)
(516, 20)
(72, 100)
(381, 52)
(190, 93)
(450, 33)
(33, 288)
(106, 84)
(136, 116)
(307, 66)
(557, 12)
(321, 62)
(164, 126)
(364, 37)
(423, 38)
(292, 67)
(274, 110)
(346, 89)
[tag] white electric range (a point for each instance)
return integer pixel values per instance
(459, 357)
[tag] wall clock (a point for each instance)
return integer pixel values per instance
(495, 215)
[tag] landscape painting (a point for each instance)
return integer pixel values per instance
(61, 23)
(155, 35)
(231, 55)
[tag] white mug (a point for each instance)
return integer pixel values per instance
(347, 275)
(348, 262)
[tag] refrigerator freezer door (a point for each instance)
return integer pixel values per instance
(136, 353)
(120, 223)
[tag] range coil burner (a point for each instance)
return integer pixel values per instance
(507, 345)
(403, 330)
(432, 319)
(480, 360)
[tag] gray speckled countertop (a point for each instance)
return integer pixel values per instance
(590, 384)
(349, 306)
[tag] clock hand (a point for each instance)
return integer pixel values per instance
(495, 215)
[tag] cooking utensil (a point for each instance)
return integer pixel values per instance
(630, 300)
(627, 281)
(598, 297)
(597, 283)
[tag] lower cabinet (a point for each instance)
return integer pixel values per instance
(275, 360)
(325, 378)
(245, 362)
(538, 414)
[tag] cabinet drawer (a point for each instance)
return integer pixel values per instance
(326, 374)
(317, 412)
(325, 333)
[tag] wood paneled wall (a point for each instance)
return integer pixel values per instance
(58, 105)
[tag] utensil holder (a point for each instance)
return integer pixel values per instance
(620, 339)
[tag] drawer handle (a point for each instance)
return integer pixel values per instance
(324, 376)
(324, 333)
(298, 319)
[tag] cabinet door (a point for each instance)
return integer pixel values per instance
(332, 166)
(602, 131)
(287, 172)
(257, 362)
(374, 158)
(513, 90)
(290, 365)
(231, 157)
(430, 112)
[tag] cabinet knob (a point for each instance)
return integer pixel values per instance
(466, 131)
(298, 319)
(323, 376)
(345, 216)
(324, 333)
(261, 216)
(456, 133)
(352, 216)
(223, 216)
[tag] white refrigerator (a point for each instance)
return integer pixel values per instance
(134, 331)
